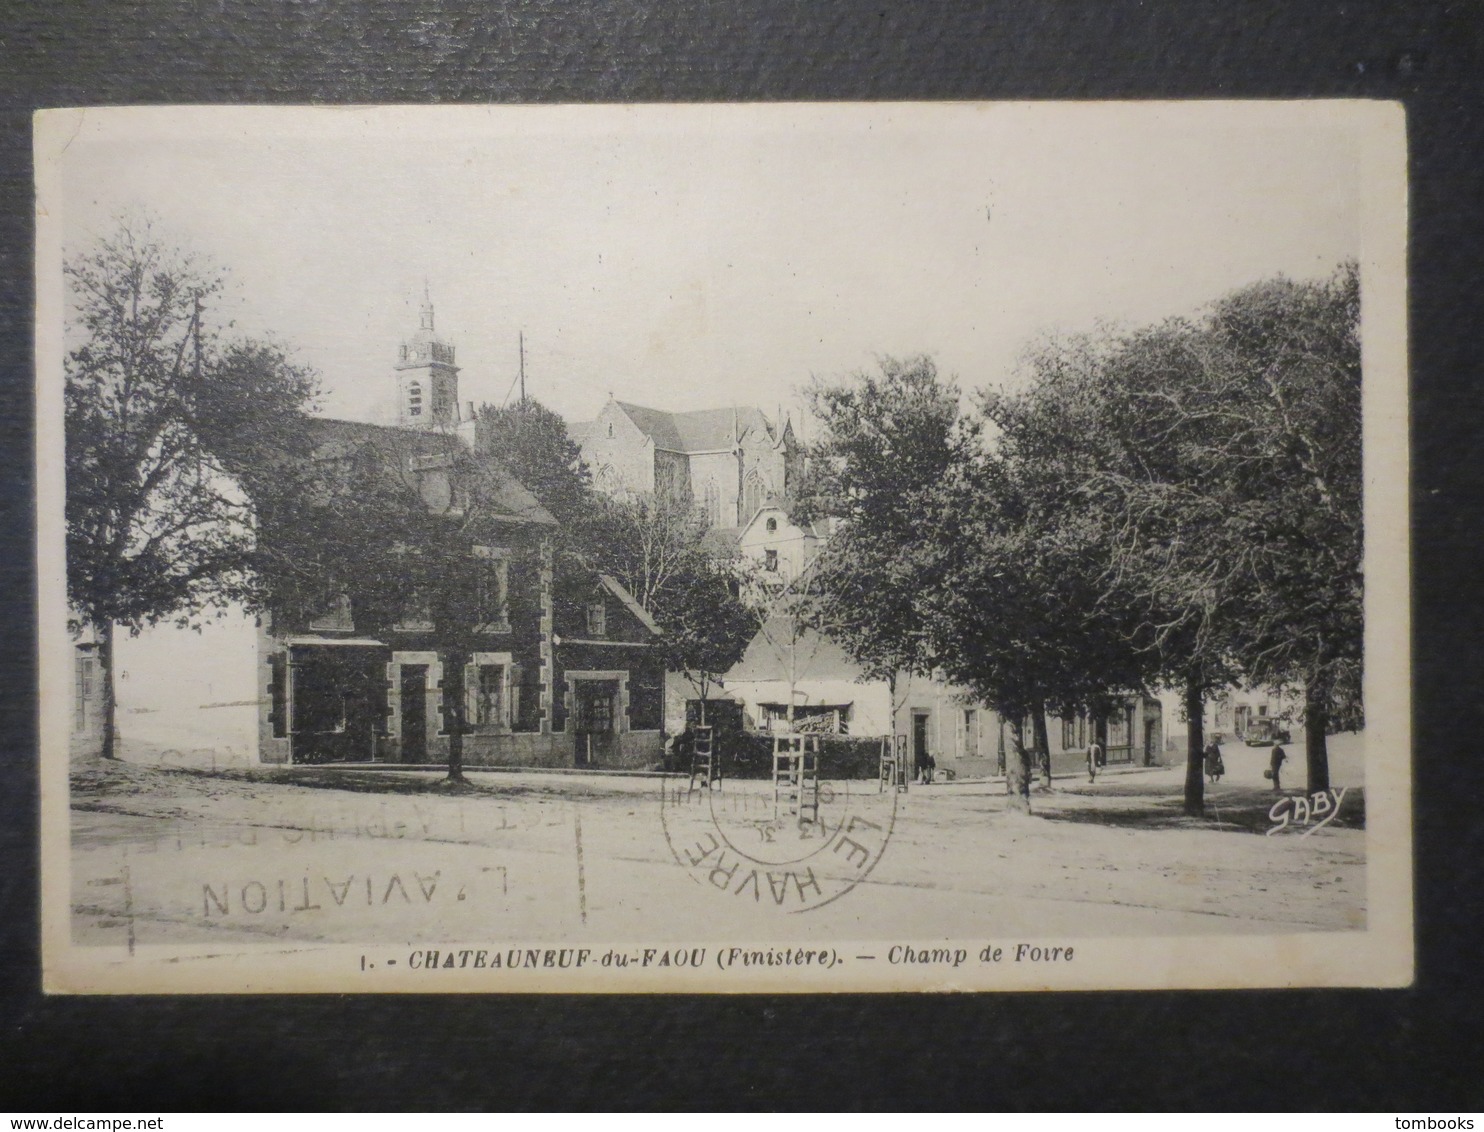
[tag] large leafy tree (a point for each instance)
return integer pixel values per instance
(888, 441)
(170, 432)
(1293, 348)
(533, 442)
(706, 625)
(1021, 615)
(1218, 458)
(952, 558)
(1119, 427)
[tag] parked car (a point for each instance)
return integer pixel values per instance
(1264, 732)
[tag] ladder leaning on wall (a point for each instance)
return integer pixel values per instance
(893, 764)
(703, 761)
(796, 776)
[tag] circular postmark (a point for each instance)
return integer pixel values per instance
(782, 848)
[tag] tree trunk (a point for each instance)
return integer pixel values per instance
(1316, 748)
(1018, 771)
(1195, 744)
(109, 740)
(891, 711)
(1043, 743)
(454, 693)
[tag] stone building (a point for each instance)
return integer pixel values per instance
(729, 462)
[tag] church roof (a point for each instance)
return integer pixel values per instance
(703, 430)
(332, 436)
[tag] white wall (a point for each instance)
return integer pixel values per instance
(194, 694)
(629, 452)
(722, 467)
(795, 547)
(871, 702)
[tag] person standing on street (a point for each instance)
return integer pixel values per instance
(1215, 768)
(1094, 759)
(1280, 756)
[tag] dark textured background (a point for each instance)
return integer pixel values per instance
(1416, 1049)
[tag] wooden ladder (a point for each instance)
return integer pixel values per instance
(893, 764)
(703, 761)
(796, 776)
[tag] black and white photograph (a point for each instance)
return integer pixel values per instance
(832, 547)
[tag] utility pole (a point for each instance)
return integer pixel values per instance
(523, 367)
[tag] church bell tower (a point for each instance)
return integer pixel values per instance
(427, 379)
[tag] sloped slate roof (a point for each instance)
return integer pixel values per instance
(815, 656)
(331, 436)
(818, 528)
(617, 589)
(704, 430)
(659, 426)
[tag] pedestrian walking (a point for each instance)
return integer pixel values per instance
(1215, 768)
(1280, 756)
(1094, 760)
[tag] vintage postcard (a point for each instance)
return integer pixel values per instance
(729, 548)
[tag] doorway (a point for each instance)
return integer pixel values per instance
(412, 692)
(595, 723)
(920, 739)
(338, 702)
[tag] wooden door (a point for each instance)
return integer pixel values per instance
(597, 712)
(412, 690)
(919, 738)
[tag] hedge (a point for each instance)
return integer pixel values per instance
(749, 754)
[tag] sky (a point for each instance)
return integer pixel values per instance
(703, 256)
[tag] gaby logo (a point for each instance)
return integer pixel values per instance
(1313, 811)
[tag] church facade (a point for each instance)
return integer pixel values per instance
(729, 462)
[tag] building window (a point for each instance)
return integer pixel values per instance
(489, 695)
(525, 697)
(610, 430)
(417, 614)
(492, 594)
(336, 615)
(752, 495)
(319, 697)
(597, 619)
(414, 399)
(713, 503)
(971, 733)
(772, 526)
(770, 561)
